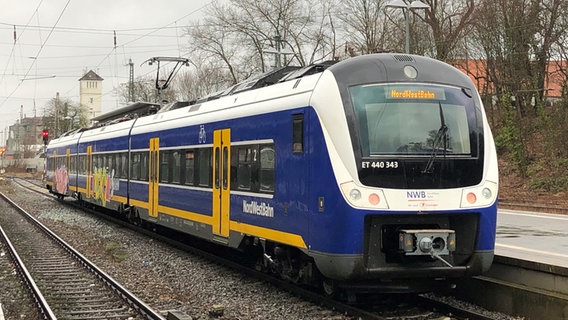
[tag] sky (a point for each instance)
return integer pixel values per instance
(58, 41)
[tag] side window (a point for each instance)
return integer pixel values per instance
(297, 133)
(204, 166)
(176, 167)
(116, 165)
(189, 167)
(83, 164)
(267, 165)
(99, 161)
(73, 164)
(164, 167)
(109, 162)
(244, 168)
(135, 169)
(124, 165)
(144, 166)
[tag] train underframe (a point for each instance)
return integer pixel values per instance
(395, 260)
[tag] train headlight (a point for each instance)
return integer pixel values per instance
(486, 193)
(355, 194)
(363, 197)
(483, 195)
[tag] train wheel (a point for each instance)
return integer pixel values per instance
(329, 287)
(134, 217)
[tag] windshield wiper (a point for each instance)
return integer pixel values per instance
(441, 135)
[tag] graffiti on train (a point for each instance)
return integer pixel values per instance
(104, 184)
(61, 180)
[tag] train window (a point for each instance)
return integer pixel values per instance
(72, 167)
(244, 168)
(204, 166)
(225, 167)
(189, 167)
(164, 166)
(96, 162)
(298, 133)
(144, 166)
(116, 165)
(234, 165)
(82, 166)
(267, 165)
(411, 119)
(217, 166)
(176, 167)
(124, 165)
(135, 170)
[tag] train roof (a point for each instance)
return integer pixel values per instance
(392, 66)
(140, 109)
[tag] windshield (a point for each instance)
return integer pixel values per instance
(412, 120)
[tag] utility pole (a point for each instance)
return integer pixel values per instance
(56, 114)
(277, 61)
(278, 51)
(131, 81)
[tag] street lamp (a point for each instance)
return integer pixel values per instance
(417, 4)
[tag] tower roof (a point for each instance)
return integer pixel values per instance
(91, 75)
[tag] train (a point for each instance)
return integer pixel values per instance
(377, 173)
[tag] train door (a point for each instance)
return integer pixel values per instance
(54, 169)
(89, 170)
(68, 169)
(221, 181)
(153, 177)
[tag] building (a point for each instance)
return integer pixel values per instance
(24, 138)
(554, 83)
(91, 93)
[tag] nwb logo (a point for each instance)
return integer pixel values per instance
(416, 194)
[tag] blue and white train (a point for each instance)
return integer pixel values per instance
(378, 173)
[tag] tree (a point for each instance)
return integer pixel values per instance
(365, 25)
(450, 22)
(246, 37)
(144, 89)
(62, 114)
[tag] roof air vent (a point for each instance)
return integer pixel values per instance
(403, 58)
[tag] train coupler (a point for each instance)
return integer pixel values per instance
(427, 241)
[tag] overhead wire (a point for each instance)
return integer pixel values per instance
(138, 33)
(37, 54)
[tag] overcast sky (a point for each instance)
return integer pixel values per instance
(57, 41)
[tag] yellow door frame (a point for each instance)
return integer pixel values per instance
(153, 176)
(221, 181)
(89, 170)
(55, 169)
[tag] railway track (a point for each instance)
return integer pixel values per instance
(64, 284)
(380, 308)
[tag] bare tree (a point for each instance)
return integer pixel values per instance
(62, 114)
(202, 80)
(449, 21)
(250, 36)
(144, 89)
(365, 25)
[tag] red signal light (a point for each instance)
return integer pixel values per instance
(45, 135)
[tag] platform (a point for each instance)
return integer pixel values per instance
(533, 236)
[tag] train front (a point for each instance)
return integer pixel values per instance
(415, 167)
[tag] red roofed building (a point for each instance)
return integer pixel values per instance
(555, 80)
